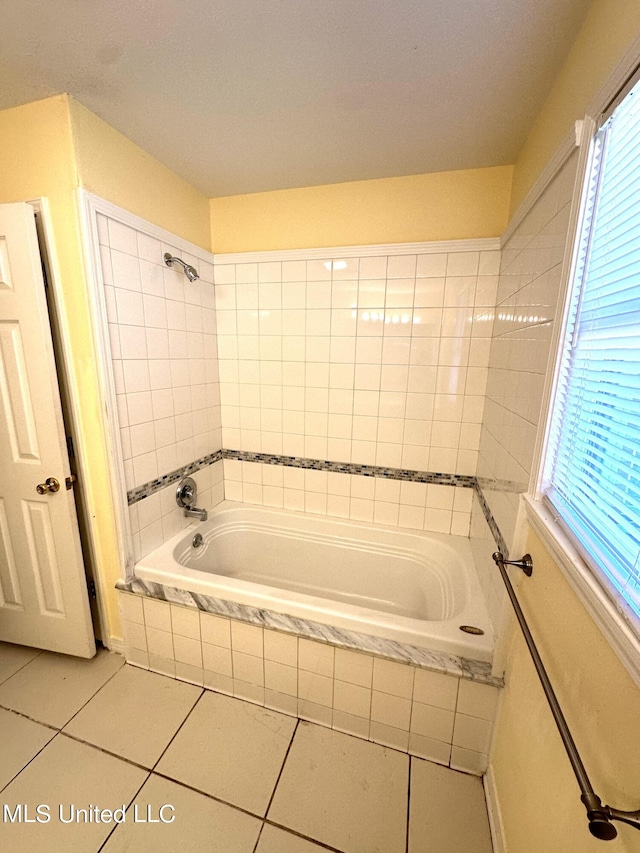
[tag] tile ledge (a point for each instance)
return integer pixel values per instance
(460, 667)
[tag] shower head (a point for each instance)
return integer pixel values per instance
(190, 272)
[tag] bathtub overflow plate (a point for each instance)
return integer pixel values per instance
(471, 629)
(196, 542)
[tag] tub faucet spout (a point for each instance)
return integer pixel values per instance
(186, 496)
(196, 512)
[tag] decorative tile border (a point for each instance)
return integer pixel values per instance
(467, 668)
(462, 480)
(457, 480)
(493, 525)
(147, 489)
(494, 485)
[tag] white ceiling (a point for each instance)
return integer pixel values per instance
(249, 95)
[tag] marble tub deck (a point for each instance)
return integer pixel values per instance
(460, 667)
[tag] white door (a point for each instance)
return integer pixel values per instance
(43, 591)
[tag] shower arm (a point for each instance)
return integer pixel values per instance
(190, 272)
(599, 816)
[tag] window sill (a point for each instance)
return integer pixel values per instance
(621, 637)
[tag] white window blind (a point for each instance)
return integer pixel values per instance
(592, 473)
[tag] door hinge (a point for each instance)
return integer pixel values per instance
(91, 586)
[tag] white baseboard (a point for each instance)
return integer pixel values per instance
(493, 809)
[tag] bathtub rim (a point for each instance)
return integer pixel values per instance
(403, 630)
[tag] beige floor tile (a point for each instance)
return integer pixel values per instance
(13, 658)
(448, 811)
(359, 801)
(67, 773)
(231, 749)
(274, 840)
(115, 718)
(20, 740)
(52, 688)
(200, 824)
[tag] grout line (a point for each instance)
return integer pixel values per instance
(305, 837)
(33, 757)
(31, 719)
(66, 723)
(175, 734)
(255, 846)
(284, 761)
(408, 803)
(206, 794)
(20, 668)
(105, 751)
(129, 804)
(93, 695)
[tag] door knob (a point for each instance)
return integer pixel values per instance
(49, 485)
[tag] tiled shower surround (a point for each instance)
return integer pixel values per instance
(162, 331)
(526, 307)
(350, 387)
(374, 360)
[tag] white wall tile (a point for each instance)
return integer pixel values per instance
(150, 311)
(429, 748)
(217, 659)
(315, 688)
(354, 667)
(247, 667)
(390, 710)
(393, 678)
(281, 648)
(281, 678)
(352, 699)
(316, 657)
(350, 724)
(432, 722)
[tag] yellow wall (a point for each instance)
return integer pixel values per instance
(608, 30)
(438, 206)
(48, 149)
(36, 159)
(112, 167)
(537, 791)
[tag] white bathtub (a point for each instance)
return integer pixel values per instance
(415, 588)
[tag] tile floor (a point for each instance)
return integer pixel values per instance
(235, 777)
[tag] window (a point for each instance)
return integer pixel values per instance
(592, 472)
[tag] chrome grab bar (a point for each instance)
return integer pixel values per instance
(599, 816)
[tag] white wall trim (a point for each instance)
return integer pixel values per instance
(494, 812)
(486, 244)
(106, 387)
(94, 204)
(619, 634)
